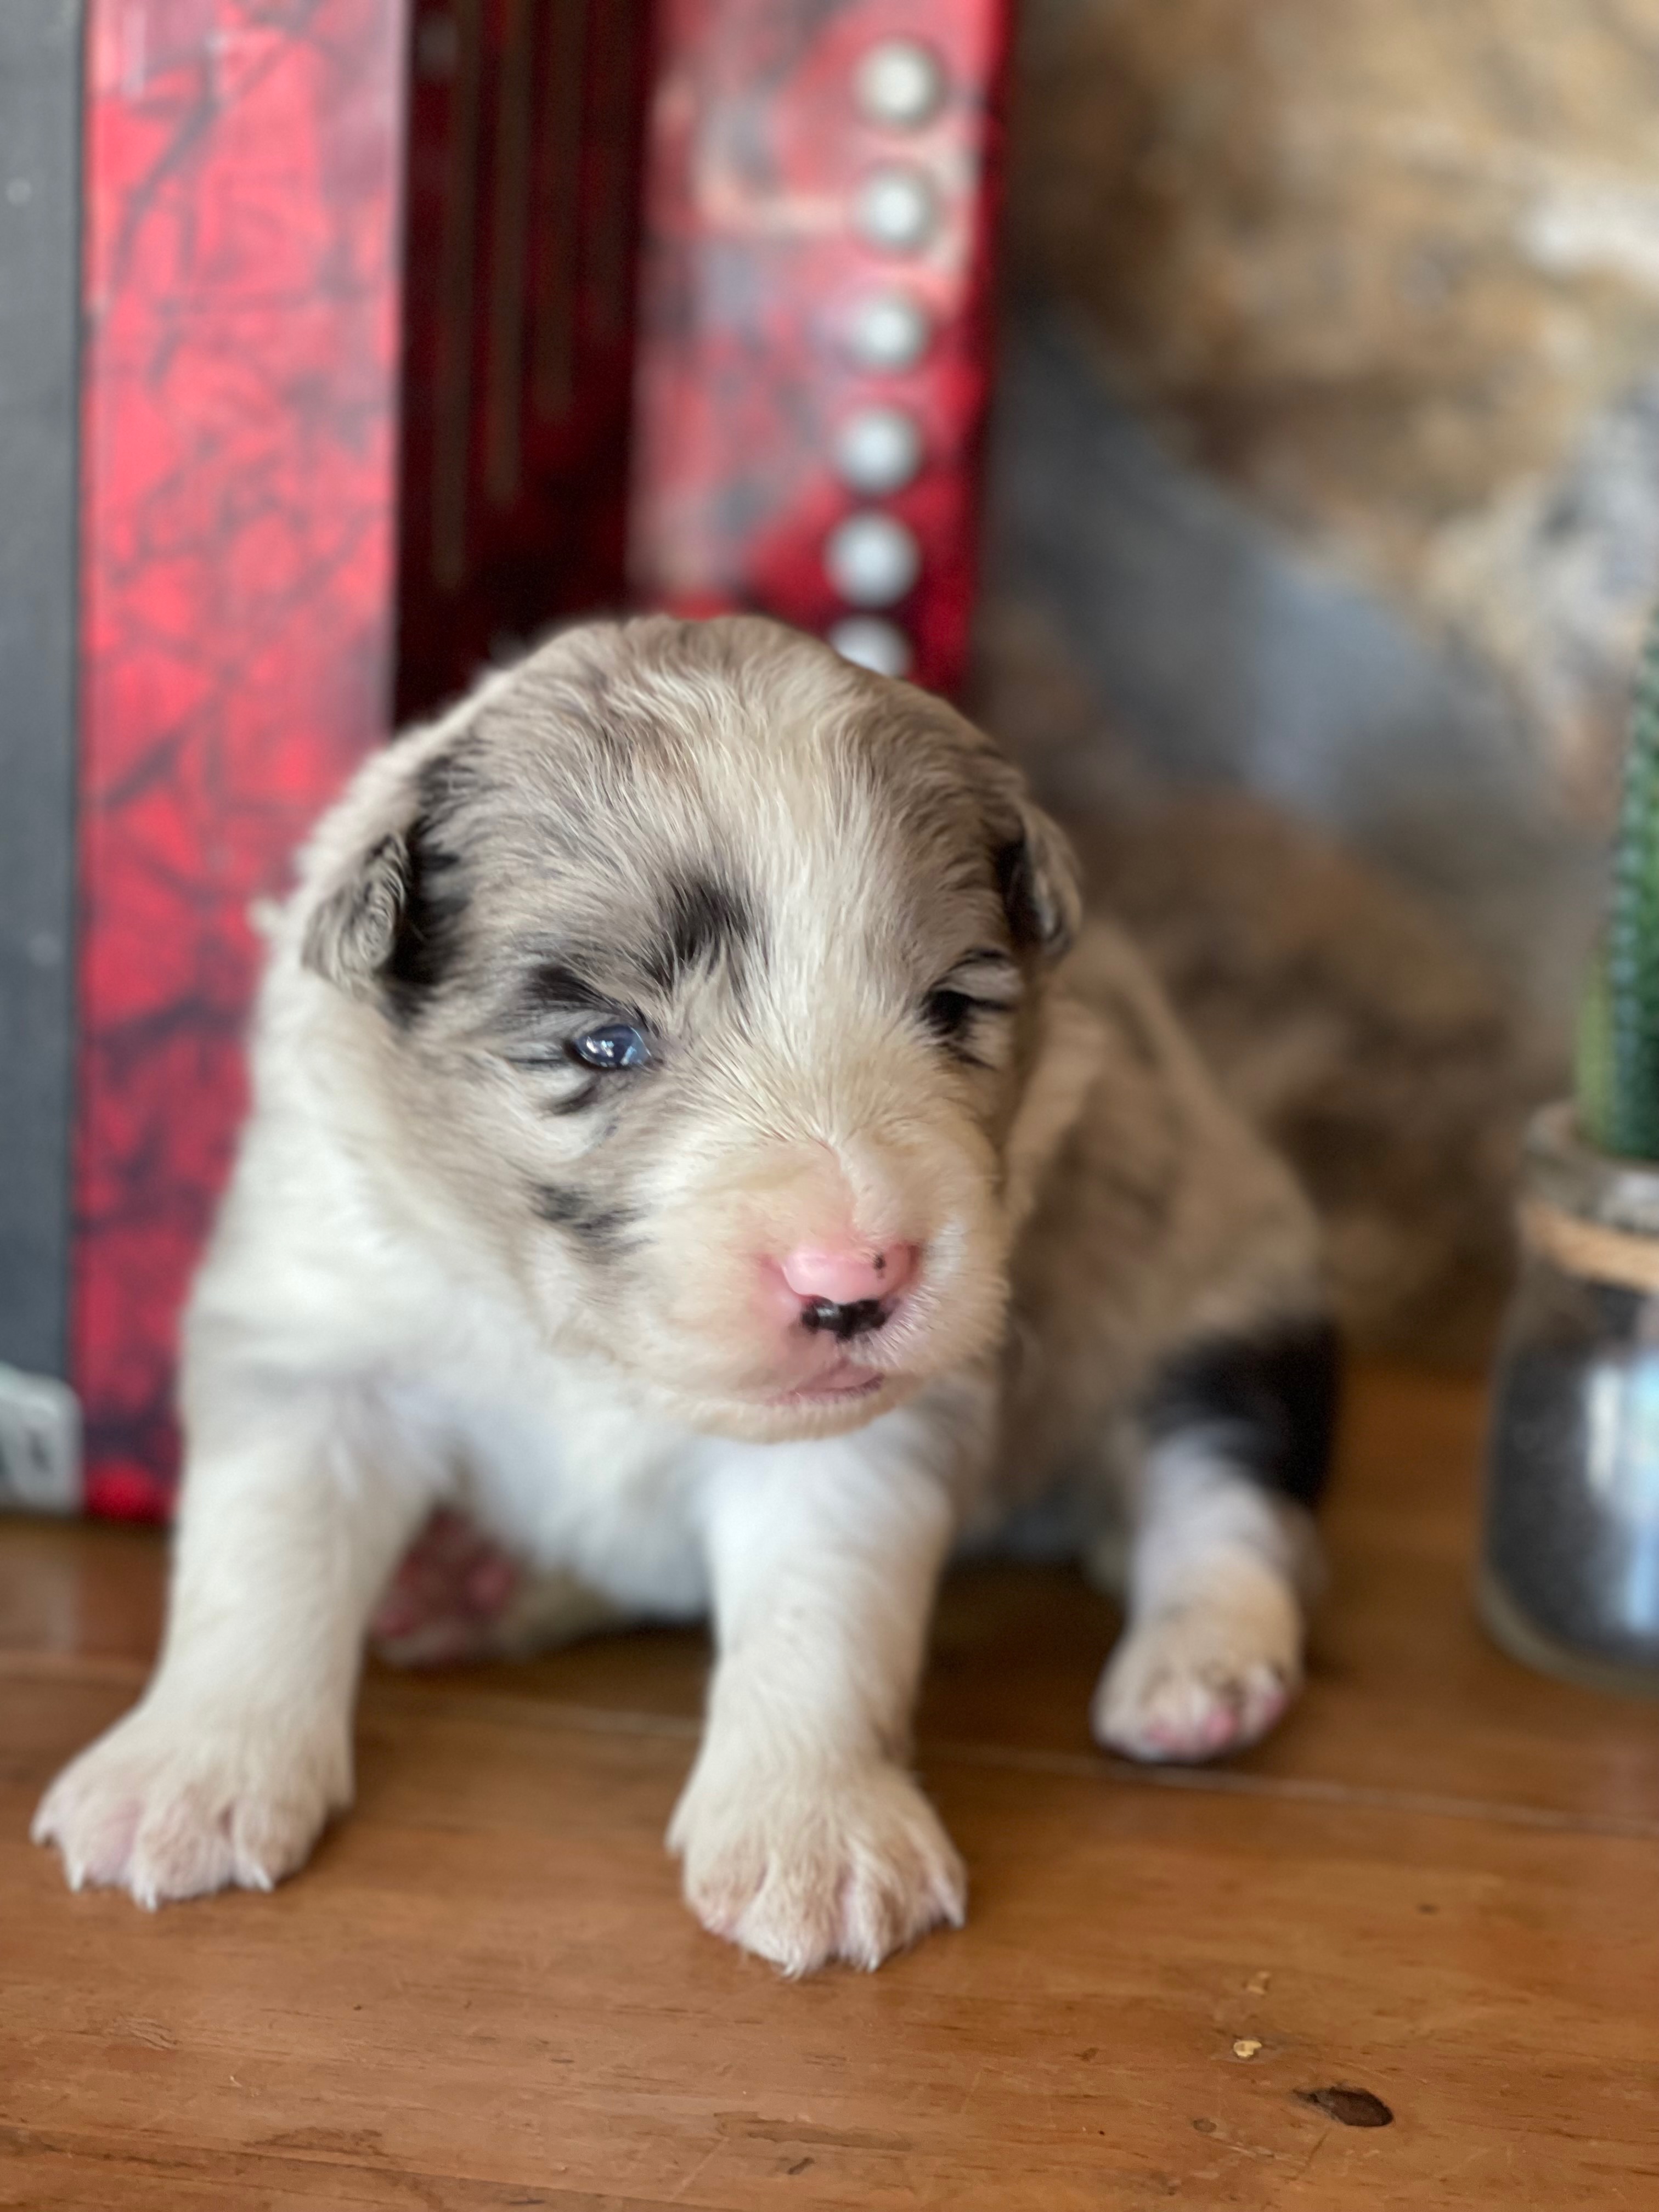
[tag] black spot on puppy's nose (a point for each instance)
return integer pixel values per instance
(843, 1323)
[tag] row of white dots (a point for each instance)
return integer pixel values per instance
(873, 560)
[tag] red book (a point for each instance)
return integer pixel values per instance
(375, 384)
(239, 410)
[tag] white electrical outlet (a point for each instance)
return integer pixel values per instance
(40, 1444)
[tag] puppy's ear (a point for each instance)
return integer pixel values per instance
(1038, 878)
(389, 902)
(1036, 869)
(354, 928)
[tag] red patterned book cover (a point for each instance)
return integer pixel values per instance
(242, 187)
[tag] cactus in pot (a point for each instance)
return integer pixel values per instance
(1617, 1057)
(1569, 1578)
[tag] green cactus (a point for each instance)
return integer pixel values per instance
(1619, 1025)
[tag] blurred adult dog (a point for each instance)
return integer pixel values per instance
(695, 1135)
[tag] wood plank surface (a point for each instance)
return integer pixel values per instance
(1438, 1884)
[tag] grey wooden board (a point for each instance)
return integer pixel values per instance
(39, 309)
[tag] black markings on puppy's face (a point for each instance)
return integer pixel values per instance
(561, 1022)
(1267, 1404)
(948, 1013)
(393, 922)
(585, 1010)
(968, 1011)
(427, 943)
(598, 1229)
(705, 918)
(552, 986)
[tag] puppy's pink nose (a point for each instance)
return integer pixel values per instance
(844, 1276)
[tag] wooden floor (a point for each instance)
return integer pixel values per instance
(1438, 1885)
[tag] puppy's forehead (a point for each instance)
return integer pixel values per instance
(778, 781)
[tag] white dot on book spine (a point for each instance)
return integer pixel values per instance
(877, 450)
(900, 82)
(870, 642)
(872, 560)
(895, 210)
(888, 331)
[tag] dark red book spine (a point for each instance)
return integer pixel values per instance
(525, 123)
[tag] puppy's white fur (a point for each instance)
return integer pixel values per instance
(386, 1321)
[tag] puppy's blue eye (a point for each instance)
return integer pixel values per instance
(613, 1045)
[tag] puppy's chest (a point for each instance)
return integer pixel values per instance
(572, 1478)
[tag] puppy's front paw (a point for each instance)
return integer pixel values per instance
(170, 1804)
(1195, 1683)
(803, 1868)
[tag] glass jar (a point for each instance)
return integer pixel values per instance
(1569, 1578)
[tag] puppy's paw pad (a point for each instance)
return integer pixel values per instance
(1190, 1687)
(173, 1811)
(805, 1871)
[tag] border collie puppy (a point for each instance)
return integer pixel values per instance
(696, 1138)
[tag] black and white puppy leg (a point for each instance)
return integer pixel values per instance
(1222, 1553)
(804, 1837)
(296, 1505)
